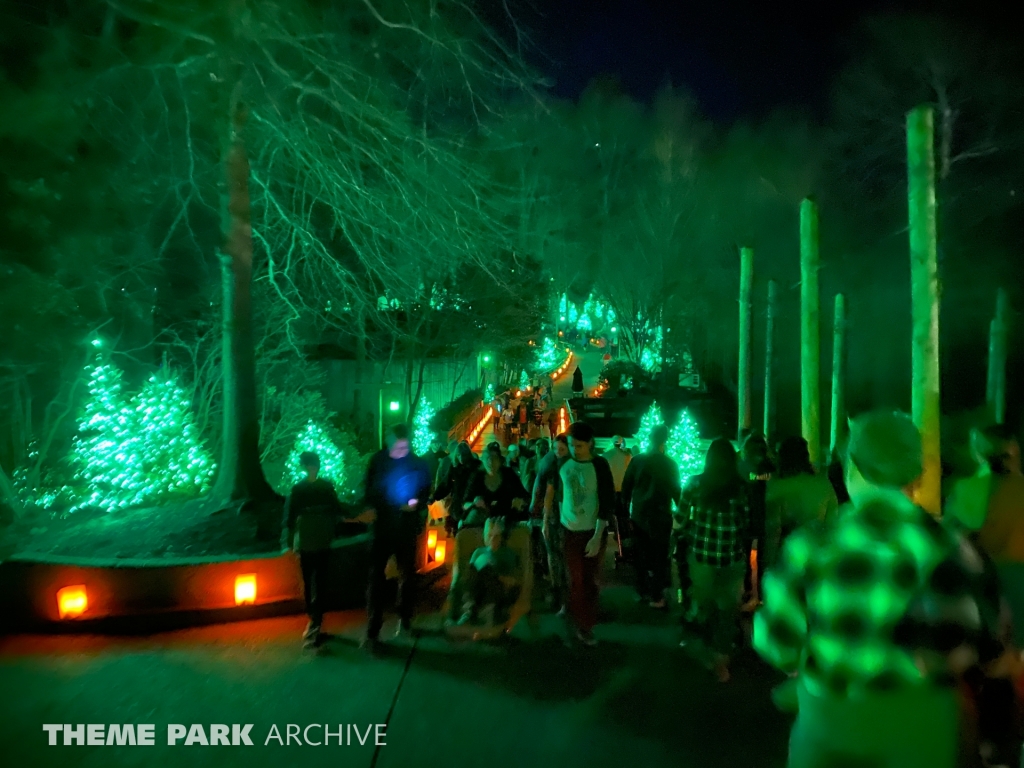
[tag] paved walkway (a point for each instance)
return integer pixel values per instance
(637, 699)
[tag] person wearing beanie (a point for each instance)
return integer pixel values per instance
(876, 615)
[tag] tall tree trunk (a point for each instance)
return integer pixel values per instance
(995, 394)
(746, 315)
(769, 364)
(240, 476)
(838, 427)
(925, 299)
(810, 332)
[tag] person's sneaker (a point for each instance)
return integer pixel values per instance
(404, 631)
(658, 604)
(587, 639)
(312, 630)
(312, 641)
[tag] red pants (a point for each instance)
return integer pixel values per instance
(583, 573)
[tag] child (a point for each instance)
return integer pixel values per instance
(491, 580)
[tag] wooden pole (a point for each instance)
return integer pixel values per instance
(769, 364)
(995, 393)
(924, 279)
(838, 426)
(746, 282)
(810, 332)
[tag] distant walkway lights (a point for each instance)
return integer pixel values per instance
(72, 601)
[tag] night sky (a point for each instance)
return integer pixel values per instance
(740, 59)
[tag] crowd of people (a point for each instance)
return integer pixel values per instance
(898, 631)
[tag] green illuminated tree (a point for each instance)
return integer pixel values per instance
(549, 356)
(685, 448)
(317, 439)
(169, 458)
(650, 420)
(102, 451)
(422, 433)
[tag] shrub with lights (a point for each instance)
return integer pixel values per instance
(168, 458)
(316, 438)
(143, 452)
(422, 432)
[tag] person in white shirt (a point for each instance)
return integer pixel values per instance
(587, 491)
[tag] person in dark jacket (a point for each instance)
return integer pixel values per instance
(495, 491)
(311, 513)
(452, 480)
(397, 489)
(650, 487)
(434, 457)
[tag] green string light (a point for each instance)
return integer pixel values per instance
(422, 432)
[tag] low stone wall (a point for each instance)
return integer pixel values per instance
(151, 591)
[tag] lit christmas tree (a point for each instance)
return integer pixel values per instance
(650, 420)
(332, 461)
(549, 356)
(422, 432)
(102, 451)
(167, 458)
(524, 380)
(685, 448)
(651, 358)
(489, 392)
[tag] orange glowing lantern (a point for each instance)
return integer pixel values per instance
(245, 589)
(439, 551)
(431, 538)
(72, 602)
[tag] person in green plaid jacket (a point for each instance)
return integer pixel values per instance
(715, 528)
(875, 614)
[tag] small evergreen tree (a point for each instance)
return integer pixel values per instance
(650, 420)
(422, 432)
(101, 451)
(317, 439)
(685, 448)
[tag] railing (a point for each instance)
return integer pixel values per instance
(470, 427)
